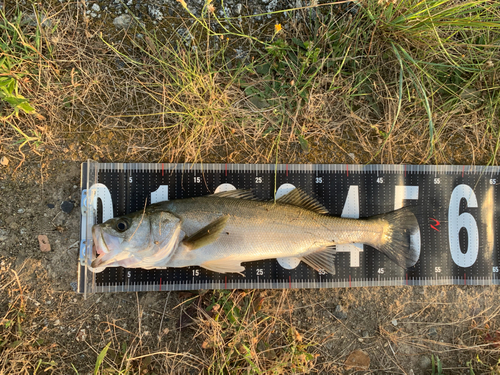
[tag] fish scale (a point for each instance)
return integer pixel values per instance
(455, 207)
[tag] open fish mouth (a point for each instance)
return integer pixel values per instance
(103, 247)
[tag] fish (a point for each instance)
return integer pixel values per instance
(221, 231)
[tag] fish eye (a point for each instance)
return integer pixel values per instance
(121, 225)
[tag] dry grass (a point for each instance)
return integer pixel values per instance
(243, 332)
(139, 95)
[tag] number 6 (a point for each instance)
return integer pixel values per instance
(457, 221)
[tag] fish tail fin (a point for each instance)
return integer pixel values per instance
(400, 240)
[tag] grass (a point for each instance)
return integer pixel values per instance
(241, 338)
(386, 82)
(243, 332)
(208, 88)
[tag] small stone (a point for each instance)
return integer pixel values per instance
(4, 161)
(50, 205)
(366, 334)
(57, 322)
(424, 362)
(123, 22)
(432, 332)
(81, 336)
(339, 313)
(67, 206)
(238, 9)
(43, 240)
(23, 231)
(34, 21)
(394, 322)
(357, 360)
(3, 235)
(20, 211)
(49, 302)
(96, 8)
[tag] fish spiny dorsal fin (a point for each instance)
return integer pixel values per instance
(237, 194)
(206, 235)
(301, 199)
(323, 259)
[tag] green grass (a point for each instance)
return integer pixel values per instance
(386, 76)
(245, 338)
(433, 58)
(19, 60)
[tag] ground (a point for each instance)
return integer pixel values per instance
(91, 102)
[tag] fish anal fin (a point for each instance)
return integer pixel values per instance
(299, 198)
(206, 235)
(322, 259)
(225, 265)
(237, 194)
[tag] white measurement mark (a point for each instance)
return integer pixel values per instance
(288, 263)
(160, 194)
(457, 221)
(100, 191)
(402, 193)
(351, 211)
(224, 187)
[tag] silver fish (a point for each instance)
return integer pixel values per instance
(219, 232)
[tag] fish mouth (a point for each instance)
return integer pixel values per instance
(104, 246)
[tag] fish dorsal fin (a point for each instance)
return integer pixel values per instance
(323, 259)
(237, 194)
(301, 199)
(206, 235)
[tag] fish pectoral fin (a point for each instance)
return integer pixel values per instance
(206, 235)
(225, 265)
(322, 259)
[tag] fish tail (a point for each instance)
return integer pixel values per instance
(400, 238)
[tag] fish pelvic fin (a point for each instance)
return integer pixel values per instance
(225, 265)
(400, 238)
(322, 259)
(299, 198)
(206, 235)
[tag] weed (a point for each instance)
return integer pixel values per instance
(437, 366)
(18, 59)
(241, 336)
(443, 47)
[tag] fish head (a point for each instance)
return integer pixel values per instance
(139, 240)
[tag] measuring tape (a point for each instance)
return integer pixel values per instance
(455, 207)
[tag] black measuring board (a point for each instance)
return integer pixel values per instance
(455, 207)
